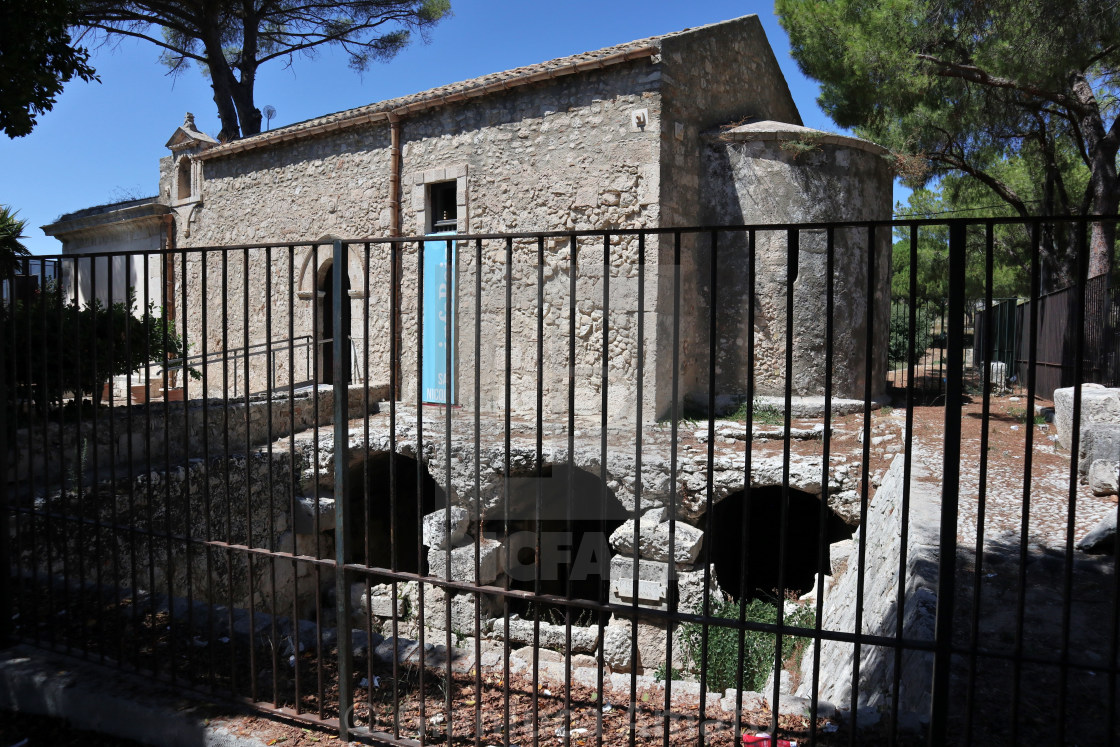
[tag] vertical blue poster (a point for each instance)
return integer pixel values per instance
(437, 378)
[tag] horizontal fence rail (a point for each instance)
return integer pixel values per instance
(637, 486)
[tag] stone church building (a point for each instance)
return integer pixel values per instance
(693, 128)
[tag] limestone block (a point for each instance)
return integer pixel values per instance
(846, 505)
(653, 582)
(1103, 477)
(617, 647)
(584, 640)
(653, 540)
(435, 528)
(1098, 405)
(1099, 442)
(462, 562)
(998, 374)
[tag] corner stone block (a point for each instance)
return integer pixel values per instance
(1103, 477)
(462, 562)
(1098, 405)
(1100, 442)
(435, 528)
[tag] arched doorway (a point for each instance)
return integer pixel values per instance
(573, 523)
(384, 522)
(745, 530)
(327, 326)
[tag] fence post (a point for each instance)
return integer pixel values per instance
(950, 486)
(341, 313)
(5, 529)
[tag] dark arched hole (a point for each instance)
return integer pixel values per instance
(736, 531)
(576, 517)
(390, 520)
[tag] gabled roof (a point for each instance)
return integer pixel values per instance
(463, 90)
(187, 135)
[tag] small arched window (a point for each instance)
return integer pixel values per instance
(183, 179)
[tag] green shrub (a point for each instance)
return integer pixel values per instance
(758, 647)
(898, 347)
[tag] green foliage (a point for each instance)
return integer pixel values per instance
(11, 248)
(899, 345)
(757, 647)
(62, 347)
(761, 413)
(1017, 101)
(229, 39)
(37, 57)
(664, 672)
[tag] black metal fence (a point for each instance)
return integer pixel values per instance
(619, 487)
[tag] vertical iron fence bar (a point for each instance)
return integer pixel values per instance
(570, 497)
(1024, 529)
(7, 626)
(80, 458)
(271, 507)
(48, 520)
(604, 385)
(28, 573)
(505, 481)
(450, 338)
(95, 487)
(823, 559)
(318, 308)
(366, 610)
(254, 693)
(188, 529)
(111, 517)
(748, 465)
(793, 250)
(418, 533)
(674, 414)
(1075, 448)
(64, 331)
(341, 324)
(988, 341)
(907, 471)
(633, 706)
(394, 540)
(865, 487)
(540, 489)
(706, 553)
(950, 487)
(293, 625)
(226, 494)
(148, 497)
(169, 265)
(208, 528)
(477, 517)
(131, 531)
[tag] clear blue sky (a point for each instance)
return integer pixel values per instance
(102, 141)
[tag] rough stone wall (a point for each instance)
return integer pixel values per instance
(768, 181)
(558, 155)
(712, 76)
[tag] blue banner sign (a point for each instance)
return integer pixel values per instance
(437, 378)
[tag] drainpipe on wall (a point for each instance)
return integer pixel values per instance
(395, 226)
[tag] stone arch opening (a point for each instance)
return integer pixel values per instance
(577, 516)
(183, 179)
(325, 310)
(383, 518)
(732, 536)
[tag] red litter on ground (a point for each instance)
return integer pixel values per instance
(762, 739)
